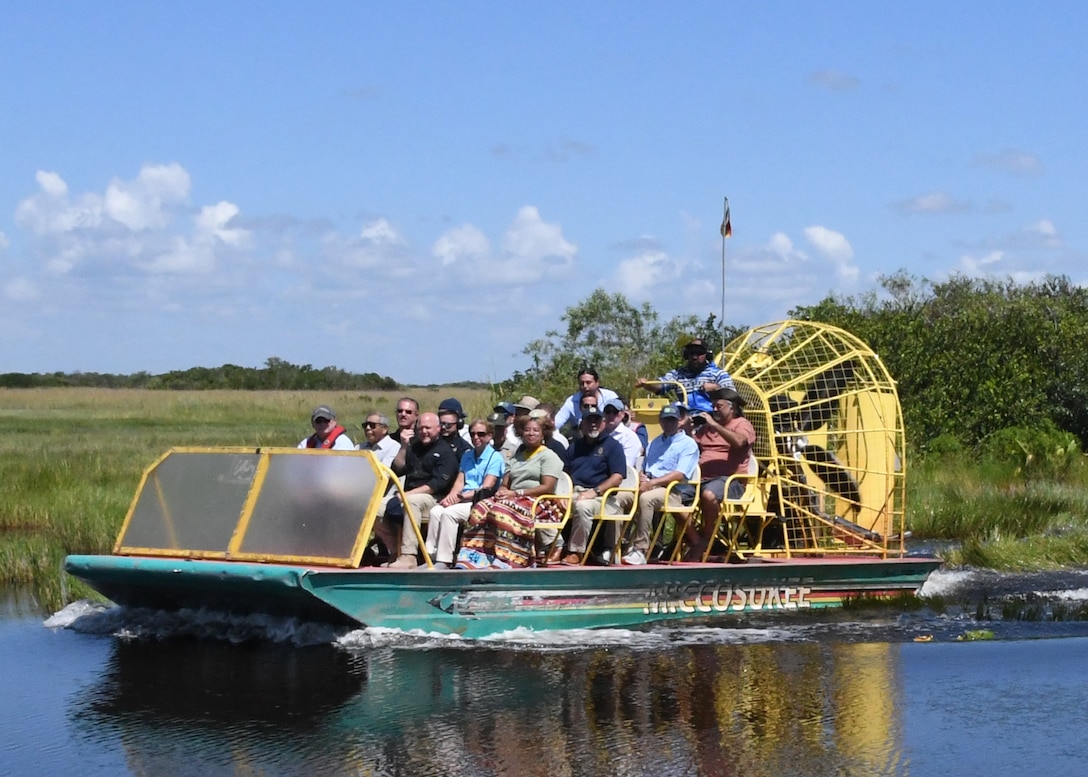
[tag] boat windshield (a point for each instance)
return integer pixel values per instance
(271, 504)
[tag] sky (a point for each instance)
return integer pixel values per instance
(420, 189)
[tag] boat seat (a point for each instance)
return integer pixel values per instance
(681, 514)
(745, 518)
(564, 491)
(613, 511)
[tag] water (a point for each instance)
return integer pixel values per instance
(110, 692)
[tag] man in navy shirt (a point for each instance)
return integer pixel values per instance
(595, 463)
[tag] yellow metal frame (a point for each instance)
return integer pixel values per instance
(629, 485)
(384, 478)
(563, 496)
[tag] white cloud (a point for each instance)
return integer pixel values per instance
(1043, 234)
(214, 220)
(531, 250)
(381, 232)
(933, 202)
(980, 265)
(4, 242)
(531, 240)
(464, 242)
(835, 247)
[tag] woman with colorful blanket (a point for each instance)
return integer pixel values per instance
(500, 531)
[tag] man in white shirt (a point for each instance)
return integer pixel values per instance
(614, 427)
(589, 385)
(378, 441)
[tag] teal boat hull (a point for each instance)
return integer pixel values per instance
(475, 603)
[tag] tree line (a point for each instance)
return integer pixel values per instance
(972, 357)
(276, 374)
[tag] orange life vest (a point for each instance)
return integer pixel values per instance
(313, 442)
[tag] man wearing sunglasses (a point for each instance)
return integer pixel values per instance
(378, 441)
(450, 424)
(407, 415)
(698, 375)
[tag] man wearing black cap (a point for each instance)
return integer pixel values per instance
(725, 438)
(451, 420)
(328, 435)
(698, 375)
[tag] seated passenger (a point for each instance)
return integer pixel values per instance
(552, 438)
(482, 467)
(671, 457)
(589, 385)
(595, 463)
(697, 375)
(328, 435)
(450, 424)
(378, 441)
(500, 440)
(615, 428)
(725, 438)
(500, 531)
(407, 415)
(453, 405)
(429, 468)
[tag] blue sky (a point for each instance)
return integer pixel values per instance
(419, 189)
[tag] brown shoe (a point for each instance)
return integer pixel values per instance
(555, 555)
(572, 560)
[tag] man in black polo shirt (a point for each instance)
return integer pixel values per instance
(429, 468)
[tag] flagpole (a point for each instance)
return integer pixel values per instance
(726, 230)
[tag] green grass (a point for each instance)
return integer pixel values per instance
(1003, 518)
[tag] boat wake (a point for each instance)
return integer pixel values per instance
(137, 624)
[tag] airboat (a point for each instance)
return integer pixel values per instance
(286, 532)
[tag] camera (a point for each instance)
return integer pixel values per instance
(698, 420)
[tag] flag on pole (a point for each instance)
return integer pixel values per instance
(727, 224)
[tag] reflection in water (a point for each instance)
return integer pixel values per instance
(193, 707)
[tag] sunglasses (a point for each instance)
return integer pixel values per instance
(321, 420)
(479, 434)
(448, 424)
(372, 425)
(404, 411)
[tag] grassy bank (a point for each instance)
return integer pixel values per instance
(70, 459)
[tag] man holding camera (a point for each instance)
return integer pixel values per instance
(725, 438)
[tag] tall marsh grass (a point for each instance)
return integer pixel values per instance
(1003, 516)
(70, 459)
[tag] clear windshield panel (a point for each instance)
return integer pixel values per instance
(312, 505)
(273, 504)
(191, 501)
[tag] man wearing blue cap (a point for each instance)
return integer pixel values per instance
(671, 457)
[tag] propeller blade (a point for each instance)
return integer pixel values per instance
(821, 395)
(826, 466)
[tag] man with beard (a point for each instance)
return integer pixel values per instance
(697, 375)
(725, 438)
(429, 468)
(595, 463)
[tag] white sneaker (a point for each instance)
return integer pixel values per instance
(634, 558)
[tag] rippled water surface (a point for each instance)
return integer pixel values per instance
(989, 680)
